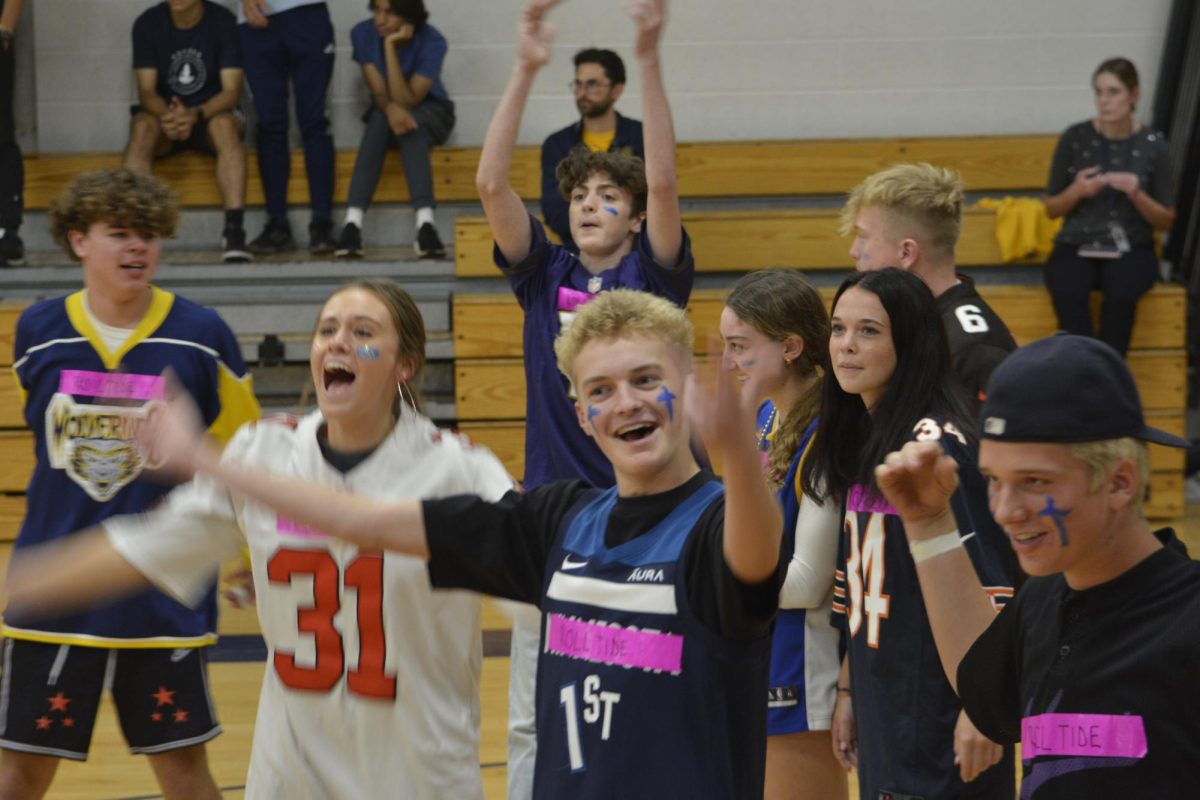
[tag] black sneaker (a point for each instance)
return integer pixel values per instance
(429, 244)
(275, 238)
(320, 237)
(233, 243)
(12, 250)
(349, 243)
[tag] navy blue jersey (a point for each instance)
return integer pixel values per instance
(550, 283)
(188, 61)
(904, 706)
(83, 405)
(636, 697)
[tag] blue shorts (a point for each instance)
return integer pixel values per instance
(789, 695)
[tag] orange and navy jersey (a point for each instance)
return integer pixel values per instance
(83, 404)
(904, 706)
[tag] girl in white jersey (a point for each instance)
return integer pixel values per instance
(372, 680)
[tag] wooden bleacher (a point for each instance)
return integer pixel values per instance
(490, 381)
(705, 169)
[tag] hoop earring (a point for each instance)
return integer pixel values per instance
(403, 389)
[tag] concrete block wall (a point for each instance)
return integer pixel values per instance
(752, 70)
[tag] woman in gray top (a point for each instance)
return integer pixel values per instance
(1110, 179)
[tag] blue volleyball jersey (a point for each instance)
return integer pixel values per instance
(83, 405)
(804, 658)
(904, 707)
(637, 698)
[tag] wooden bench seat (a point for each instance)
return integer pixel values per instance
(705, 169)
(736, 241)
(490, 381)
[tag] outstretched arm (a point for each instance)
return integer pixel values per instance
(658, 133)
(173, 436)
(918, 480)
(504, 208)
(69, 574)
(753, 522)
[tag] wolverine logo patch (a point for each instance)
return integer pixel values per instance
(94, 444)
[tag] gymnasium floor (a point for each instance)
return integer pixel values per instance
(112, 774)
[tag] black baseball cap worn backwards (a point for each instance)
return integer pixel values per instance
(1066, 388)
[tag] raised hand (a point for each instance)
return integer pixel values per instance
(650, 16)
(172, 437)
(720, 411)
(535, 37)
(918, 481)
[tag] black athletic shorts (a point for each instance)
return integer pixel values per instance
(49, 695)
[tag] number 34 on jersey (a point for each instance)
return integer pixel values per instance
(866, 564)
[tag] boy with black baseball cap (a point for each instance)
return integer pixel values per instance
(1093, 665)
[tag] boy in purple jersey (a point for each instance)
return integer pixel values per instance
(1092, 666)
(624, 218)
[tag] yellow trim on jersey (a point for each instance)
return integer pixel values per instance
(84, 640)
(238, 403)
(160, 305)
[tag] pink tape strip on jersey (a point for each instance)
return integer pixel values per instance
(571, 299)
(859, 499)
(1108, 735)
(117, 385)
(619, 646)
(286, 525)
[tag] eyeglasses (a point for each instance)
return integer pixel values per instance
(588, 85)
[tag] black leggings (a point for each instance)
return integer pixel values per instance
(1071, 279)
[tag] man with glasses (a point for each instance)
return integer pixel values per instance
(599, 82)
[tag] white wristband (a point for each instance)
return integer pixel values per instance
(932, 548)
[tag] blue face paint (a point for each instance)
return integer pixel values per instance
(667, 399)
(1056, 514)
(611, 210)
(367, 352)
(592, 413)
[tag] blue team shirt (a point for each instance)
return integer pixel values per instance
(83, 404)
(423, 54)
(904, 707)
(636, 695)
(549, 284)
(188, 62)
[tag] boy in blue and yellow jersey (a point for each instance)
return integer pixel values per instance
(88, 365)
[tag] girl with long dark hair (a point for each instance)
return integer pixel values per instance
(892, 382)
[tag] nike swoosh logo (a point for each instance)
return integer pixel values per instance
(179, 654)
(569, 564)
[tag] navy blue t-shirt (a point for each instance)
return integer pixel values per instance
(423, 54)
(189, 62)
(550, 283)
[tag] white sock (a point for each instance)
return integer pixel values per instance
(424, 215)
(2, 232)
(354, 216)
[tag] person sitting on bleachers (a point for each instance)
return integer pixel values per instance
(401, 57)
(188, 66)
(598, 84)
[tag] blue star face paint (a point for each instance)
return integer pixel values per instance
(592, 413)
(612, 210)
(1056, 514)
(667, 399)
(365, 351)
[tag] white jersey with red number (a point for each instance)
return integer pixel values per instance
(372, 678)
